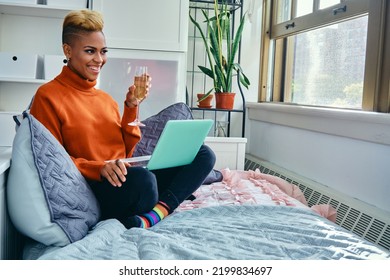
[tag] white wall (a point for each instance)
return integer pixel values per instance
(354, 167)
(250, 47)
(250, 56)
(357, 168)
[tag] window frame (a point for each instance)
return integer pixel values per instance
(376, 90)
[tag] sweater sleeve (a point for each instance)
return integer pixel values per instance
(131, 134)
(90, 169)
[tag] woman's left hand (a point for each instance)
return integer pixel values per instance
(115, 172)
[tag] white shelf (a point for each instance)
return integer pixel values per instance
(5, 158)
(37, 10)
(22, 80)
(226, 140)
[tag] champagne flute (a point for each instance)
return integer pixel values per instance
(140, 82)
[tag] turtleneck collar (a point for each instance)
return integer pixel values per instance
(70, 78)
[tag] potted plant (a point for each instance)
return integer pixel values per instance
(204, 101)
(221, 49)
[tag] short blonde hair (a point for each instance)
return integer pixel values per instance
(82, 21)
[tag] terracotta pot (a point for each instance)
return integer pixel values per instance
(206, 103)
(224, 100)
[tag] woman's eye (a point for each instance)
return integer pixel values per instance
(90, 51)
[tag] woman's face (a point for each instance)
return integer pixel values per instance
(87, 53)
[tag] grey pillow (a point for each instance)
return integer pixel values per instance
(48, 198)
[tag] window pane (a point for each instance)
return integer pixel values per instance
(328, 3)
(304, 7)
(283, 11)
(328, 65)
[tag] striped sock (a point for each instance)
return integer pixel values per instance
(159, 212)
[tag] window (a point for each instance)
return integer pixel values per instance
(329, 53)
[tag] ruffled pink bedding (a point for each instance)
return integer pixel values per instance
(252, 187)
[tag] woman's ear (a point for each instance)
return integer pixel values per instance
(67, 51)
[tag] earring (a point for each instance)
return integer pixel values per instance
(65, 61)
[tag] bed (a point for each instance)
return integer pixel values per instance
(248, 215)
(235, 214)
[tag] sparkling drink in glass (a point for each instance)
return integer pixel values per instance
(140, 82)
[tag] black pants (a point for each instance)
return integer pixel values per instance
(143, 188)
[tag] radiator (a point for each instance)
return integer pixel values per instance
(363, 219)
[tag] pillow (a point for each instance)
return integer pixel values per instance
(154, 126)
(48, 198)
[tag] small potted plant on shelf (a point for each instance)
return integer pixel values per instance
(221, 49)
(204, 100)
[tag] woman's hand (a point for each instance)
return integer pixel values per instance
(115, 172)
(131, 101)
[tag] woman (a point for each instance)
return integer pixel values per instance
(87, 122)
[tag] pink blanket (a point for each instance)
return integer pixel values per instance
(252, 187)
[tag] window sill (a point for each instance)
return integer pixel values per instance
(366, 126)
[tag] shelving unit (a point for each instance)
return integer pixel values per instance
(198, 82)
(33, 29)
(39, 19)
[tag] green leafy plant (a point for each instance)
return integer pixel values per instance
(221, 48)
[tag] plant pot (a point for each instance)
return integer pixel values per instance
(224, 100)
(205, 103)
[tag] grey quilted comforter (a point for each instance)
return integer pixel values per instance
(221, 232)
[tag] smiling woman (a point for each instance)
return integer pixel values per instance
(86, 120)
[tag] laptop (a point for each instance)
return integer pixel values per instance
(178, 144)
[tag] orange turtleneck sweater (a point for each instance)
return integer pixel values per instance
(86, 121)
